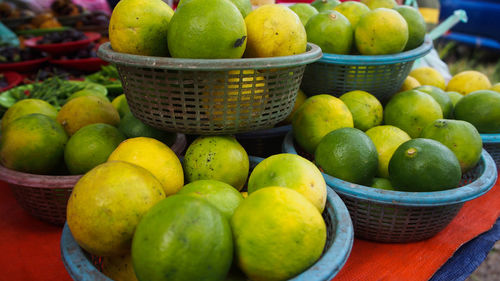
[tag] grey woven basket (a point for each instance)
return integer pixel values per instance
(210, 96)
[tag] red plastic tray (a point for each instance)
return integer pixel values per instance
(23, 66)
(62, 48)
(87, 64)
(13, 79)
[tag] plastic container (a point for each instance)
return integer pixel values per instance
(263, 143)
(403, 217)
(381, 76)
(62, 48)
(210, 96)
(491, 142)
(82, 267)
(44, 196)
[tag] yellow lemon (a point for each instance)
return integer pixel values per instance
(274, 30)
(155, 157)
(428, 76)
(467, 82)
(409, 84)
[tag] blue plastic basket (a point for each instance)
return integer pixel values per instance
(491, 142)
(401, 217)
(340, 236)
(381, 76)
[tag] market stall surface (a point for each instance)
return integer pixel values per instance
(31, 248)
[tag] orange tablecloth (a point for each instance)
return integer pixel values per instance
(30, 248)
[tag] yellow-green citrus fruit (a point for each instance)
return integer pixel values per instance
(424, 165)
(26, 107)
(86, 110)
(274, 30)
(219, 158)
(33, 143)
(481, 109)
(331, 31)
(386, 139)
(290, 171)
(318, 116)
(220, 194)
(416, 26)
(459, 136)
(182, 238)
(154, 156)
(374, 4)
(325, 5)
(140, 27)
(277, 234)
(304, 11)
(441, 97)
(91, 146)
(353, 11)
(381, 31)
(366, 110)
(428, 76)
(207, 29)
(412, 111)
(409, 84)
(106, 205)
(348, 154)
(455, 97)
(467, 82)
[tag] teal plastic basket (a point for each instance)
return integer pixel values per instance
(381, 76)
(340, 236)
(402, 217)
(491, 142)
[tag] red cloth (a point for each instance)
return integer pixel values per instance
(31, 251)
(29, 248)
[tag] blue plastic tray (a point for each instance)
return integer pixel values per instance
(340, 237)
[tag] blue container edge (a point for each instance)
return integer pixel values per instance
(81, 269)
(418, 199)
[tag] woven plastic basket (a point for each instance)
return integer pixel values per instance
(45, 197)
(210, 96)
(263, 143)
(402, 217)
(340, 236)
(491, 142)
(381, 76)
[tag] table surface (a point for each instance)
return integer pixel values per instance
(31, 248)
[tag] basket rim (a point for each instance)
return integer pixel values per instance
(490, 138)
(64, 181)
(417, 199)
(325, 268)
(407, 56)
(105, 52)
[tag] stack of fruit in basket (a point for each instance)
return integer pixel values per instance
(424, 139)
(369, 27)
(228, 30)
(66, 127)
(274, 229)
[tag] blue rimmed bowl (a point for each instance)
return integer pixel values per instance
(381, 76)
(402, 217)
(81, 266)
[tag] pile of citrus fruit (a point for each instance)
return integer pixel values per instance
(39, 139)
(369, 27)
(423, 139)
(136, 212)
(201, 29)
